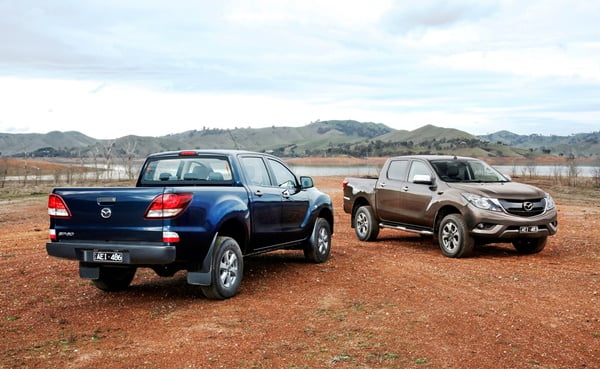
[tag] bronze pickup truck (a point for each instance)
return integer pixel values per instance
(460, 201)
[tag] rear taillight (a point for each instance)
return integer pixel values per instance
(57, 207)
(344, 184)
(171, 237)
(168, 205)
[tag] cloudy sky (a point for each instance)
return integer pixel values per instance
(109, 68)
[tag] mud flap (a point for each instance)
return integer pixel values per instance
(202, 276)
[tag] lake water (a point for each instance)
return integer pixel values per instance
(119, 172)
(359, 171)
(339, 171)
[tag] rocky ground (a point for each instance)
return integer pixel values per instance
(394, 303)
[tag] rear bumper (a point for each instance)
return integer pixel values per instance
(133, 254)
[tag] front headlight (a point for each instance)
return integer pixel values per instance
(549, 202)
(485, 203)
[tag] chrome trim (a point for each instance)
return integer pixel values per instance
(401, 228)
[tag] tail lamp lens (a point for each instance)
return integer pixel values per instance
(169, 205)
(57, 207)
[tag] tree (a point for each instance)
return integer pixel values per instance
(573, 170)
(3, 172)
(129, 150)
(596, 173)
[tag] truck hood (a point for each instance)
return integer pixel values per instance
(501, 190)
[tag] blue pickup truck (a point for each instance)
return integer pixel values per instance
(197, 210)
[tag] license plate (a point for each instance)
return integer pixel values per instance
(108, 256)
(528, 229)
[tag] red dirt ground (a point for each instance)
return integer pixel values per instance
(394, 303)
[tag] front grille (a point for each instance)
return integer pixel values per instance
(524, 208)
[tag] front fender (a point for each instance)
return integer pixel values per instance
(320, 206)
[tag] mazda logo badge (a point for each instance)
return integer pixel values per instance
(105, 213)
(527, 206)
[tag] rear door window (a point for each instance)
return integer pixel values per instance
(397, 170)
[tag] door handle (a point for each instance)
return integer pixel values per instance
(106, 200)
(285, 194)
(405, 188)
(382, 184)
(258, 193)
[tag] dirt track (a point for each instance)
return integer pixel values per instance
(395, 303)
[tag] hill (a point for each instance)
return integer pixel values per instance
(428, 133)
(52, 143)
(320, 138)
(313, 138)
(283, 140)
(579, 145)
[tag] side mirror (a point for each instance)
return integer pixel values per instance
(424, 179)
(306, 182)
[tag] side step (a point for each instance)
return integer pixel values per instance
(403, 228)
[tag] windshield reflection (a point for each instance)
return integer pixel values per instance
(461, 170)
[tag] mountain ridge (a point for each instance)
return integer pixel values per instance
(319, 138)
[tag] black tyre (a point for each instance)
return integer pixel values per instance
(227, 269)
(454, 238)
(529, 245)
(365, 224)
(318, 247)
(114, 278)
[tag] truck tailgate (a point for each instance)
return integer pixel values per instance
(108, 214)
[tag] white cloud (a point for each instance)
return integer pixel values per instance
(420, 16)
(532, 62)
(156, 67)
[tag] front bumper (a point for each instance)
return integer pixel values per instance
(496, 225)
(133, 254)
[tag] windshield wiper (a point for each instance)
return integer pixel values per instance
(484, 181)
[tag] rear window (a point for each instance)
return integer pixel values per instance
(195, 170)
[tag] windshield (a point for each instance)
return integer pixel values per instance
(196, 170)
(466, 170)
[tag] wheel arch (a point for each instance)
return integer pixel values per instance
(237, 230)
(358, 202)
(327, 214)
(441, 214)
